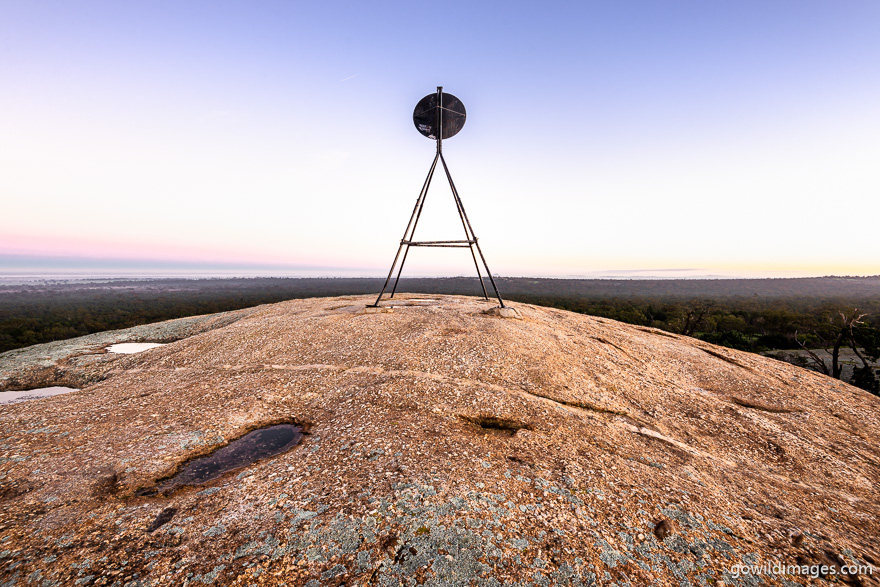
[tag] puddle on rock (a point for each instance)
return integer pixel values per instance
(129, 348)
(14, 397)
(253, 446)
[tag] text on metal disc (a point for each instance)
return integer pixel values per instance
(428, 113)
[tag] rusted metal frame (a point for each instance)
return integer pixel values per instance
(427, 185)
(418, 214)
(471, 235)
(471, 241)
(417, 210)
(439, 119)
(465, 225)
(477, 267)
(468, 233)
(448, 246)
(424, 243)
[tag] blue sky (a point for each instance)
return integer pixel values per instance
(728, 138)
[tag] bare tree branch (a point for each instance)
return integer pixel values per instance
(852, 337)
(820, 365)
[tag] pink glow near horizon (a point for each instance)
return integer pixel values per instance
(77, 247)
(81, 248)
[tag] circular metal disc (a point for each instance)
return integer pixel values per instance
(427, 115)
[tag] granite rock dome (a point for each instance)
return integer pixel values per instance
(443, 446)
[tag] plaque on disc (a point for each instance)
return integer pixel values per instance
(436, 109)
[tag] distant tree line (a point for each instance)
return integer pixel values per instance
(812, 316)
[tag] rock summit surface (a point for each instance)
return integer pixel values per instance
(443, 446)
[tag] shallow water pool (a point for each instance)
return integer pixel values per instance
(253, 446)
(129, 348)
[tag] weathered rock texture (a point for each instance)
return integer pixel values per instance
(445, 446)
(72, 362)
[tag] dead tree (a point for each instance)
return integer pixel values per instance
(842, 334)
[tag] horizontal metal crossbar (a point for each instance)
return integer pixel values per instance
(432, 243)
(447, 246)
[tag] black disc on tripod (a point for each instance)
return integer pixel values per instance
(427, 115)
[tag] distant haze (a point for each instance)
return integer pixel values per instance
(613, 139)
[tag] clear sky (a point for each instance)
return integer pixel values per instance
(605, 137)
